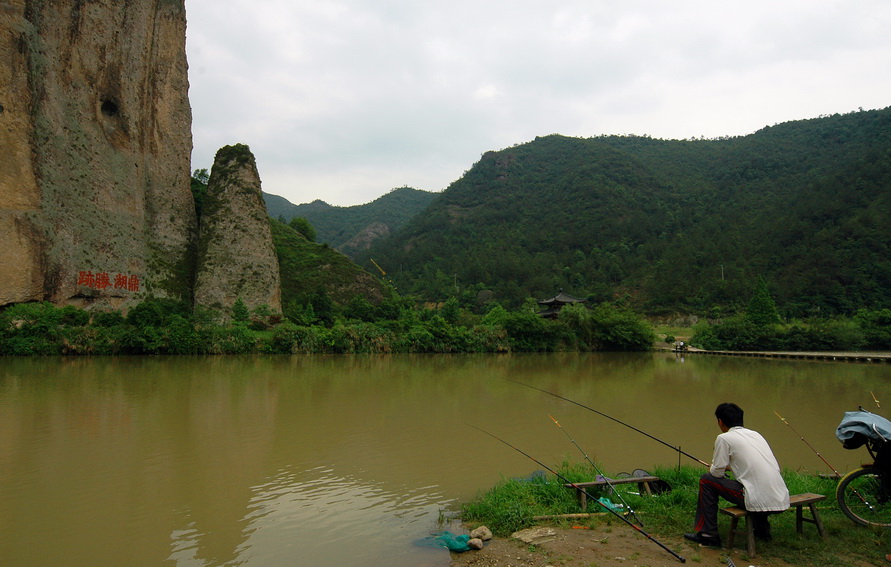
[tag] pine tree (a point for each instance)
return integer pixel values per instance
(762, 310)
(240, 312)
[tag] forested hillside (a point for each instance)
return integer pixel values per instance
(678, 226)
(314, 274)
(344, 227)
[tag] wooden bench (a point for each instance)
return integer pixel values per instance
(643, 483)
(797, 501)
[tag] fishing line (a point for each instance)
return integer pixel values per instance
(800, 436)
(678, 449)
(579, 488)
(606, 480)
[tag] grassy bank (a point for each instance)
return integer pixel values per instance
(512, 504)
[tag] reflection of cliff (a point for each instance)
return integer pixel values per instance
(95, 207)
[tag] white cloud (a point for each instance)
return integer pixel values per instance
(344, 100)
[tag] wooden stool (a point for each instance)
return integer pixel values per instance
(798, 501)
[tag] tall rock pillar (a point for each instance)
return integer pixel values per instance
(95, 130)
(21, 275)
(236, 257)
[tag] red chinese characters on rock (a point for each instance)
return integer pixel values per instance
(101, 280)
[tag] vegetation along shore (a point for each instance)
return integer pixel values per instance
(569, 537)
(402, 325)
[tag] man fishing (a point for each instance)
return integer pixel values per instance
(758, 485)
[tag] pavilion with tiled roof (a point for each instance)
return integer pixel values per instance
(553, 305)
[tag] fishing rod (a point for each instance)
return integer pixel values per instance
(606, 480)
(579, 488)
(876, 400)
(678, 449)
(838, 474)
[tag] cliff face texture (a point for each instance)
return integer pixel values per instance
(236, 257)
(95, 205)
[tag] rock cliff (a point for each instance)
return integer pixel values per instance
(236, 257)
(95, 206)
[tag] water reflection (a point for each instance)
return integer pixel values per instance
(315, 515)
(347, 460)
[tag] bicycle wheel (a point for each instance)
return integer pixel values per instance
(862, 497)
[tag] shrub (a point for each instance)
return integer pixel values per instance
(240, 311)
(580, 322)
(237, 339)
(876, 328)
(107, 319)
(527, 332)
(487, 338)
(71, 316)
(618, 328)
(89, 341)
(736, 333)
(181, 337)
(366, 338)
(450, 310)
(416, 339)
(154, 312)
(284, 338)
(30, 329)
(822, 334)
(361, 309)
(302, 226)
(311, 339)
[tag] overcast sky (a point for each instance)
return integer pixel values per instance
(345, 100)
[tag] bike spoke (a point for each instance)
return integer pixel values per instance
(862, 497)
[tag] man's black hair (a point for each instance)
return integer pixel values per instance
(730, 414)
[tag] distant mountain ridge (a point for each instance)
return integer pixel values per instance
(677, 225)
(351, 229)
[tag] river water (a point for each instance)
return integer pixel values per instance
(353, 460)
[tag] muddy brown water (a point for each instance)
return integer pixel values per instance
(352, 460)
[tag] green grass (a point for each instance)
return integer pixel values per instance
(511, 504)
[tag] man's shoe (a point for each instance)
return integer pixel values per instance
(703, 539)
(761, 526)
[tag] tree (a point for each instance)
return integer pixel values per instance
(762, 310)
(302, 226)
(240, 312)
(451, 310)
(200, 178)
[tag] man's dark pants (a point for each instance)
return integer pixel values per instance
(710, 489)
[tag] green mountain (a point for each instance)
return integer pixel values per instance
(676, 225)
(352, 229)
(309, 270)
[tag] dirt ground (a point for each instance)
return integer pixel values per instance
(604, 546)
